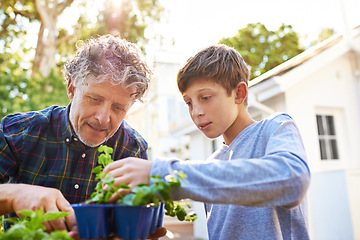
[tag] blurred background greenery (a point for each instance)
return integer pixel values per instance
(31, 77)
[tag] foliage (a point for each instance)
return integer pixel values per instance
(13, 13)
(30, 226)
(21, 93)
(262, 49)
(129, 20)
(323, 35)
(1, 224)
(18, 91)
(142, 194)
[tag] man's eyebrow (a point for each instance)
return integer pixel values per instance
(135, 93)
(91, 94)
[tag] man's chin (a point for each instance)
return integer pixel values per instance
(92, 144)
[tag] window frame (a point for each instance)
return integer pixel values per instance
(327, 137)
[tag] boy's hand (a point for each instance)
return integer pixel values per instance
(130, 171)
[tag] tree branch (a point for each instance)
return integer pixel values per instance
(43, 13)
(61, 7)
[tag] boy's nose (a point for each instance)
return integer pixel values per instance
(197, 111)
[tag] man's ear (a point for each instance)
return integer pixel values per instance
(241, 92)
(70, 89)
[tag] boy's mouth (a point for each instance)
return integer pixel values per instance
(204, 126)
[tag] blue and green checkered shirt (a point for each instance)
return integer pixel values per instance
(40, 148)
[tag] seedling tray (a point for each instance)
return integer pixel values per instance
(126, 222)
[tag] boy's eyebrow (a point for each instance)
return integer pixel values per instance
(200, 90)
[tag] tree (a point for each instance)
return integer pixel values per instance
(262, 49)
(128, 18)
(49, 11)
(13, 15)
(31, 85)
(323, 35)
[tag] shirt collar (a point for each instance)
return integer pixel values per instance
(67, 131)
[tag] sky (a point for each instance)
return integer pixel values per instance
(194, 24)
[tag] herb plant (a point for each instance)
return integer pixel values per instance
(30, 226)
(142, 194)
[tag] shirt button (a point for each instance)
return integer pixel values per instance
(75, 139)
(67, 140)
(76, 186)
(83, 155)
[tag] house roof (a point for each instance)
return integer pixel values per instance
(297, 60)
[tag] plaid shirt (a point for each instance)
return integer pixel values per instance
(40, 148)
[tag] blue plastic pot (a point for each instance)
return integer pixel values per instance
(127, 222)
(157, 217)
(94, 220)
(133, 222)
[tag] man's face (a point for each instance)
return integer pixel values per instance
(97, 110)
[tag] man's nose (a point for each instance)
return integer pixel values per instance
(103, 115)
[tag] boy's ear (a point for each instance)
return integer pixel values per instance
(70, 89)
(241, 92)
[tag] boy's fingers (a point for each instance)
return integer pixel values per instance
(160, 232)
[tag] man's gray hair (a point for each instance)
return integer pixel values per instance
(109, 58)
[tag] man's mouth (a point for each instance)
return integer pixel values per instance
(97, 128)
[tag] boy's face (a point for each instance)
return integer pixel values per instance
(97, 110)
(212, 110)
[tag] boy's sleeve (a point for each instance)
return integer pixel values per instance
(279, 178)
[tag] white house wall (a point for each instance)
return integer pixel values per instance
(332, 198)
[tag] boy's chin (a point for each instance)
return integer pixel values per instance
(211, 135)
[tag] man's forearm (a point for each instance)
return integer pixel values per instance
(6, 196)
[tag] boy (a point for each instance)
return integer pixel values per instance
(254, 185)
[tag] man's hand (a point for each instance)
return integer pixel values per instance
(130, 171)
(25, 196)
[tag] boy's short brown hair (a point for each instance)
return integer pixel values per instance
(219, 63)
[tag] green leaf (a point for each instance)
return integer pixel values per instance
(128, 199)
(108, 180)
(26, 212)
(124, 186)
(54, 215)
(97, 169)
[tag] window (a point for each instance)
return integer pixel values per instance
(327, 137)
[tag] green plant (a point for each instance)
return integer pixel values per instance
(142, 194)
(1, 224)
(30, 227)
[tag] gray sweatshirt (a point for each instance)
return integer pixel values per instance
(254, 188)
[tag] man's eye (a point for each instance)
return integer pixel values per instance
(94, 99)
(117, 108)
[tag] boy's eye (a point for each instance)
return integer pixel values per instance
(206, 97)
(188, 103)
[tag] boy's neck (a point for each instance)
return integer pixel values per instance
(242, 121)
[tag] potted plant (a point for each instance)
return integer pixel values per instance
(134, 215)
(30, 226)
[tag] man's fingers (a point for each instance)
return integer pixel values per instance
(74, 233)
(48, 227)
(56, 224)
(70, 219)
(60, 203)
